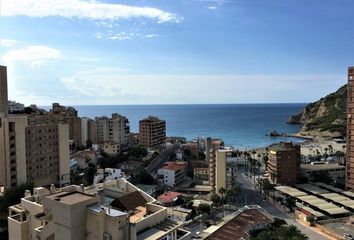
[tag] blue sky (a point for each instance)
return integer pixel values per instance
(168, 51)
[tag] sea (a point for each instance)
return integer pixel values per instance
(243, 126)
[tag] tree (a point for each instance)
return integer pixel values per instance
(138, 151)
(216, 199)
(205, 208)
(311, 219)
(88, 143)
(13, 196)
(290, 203)
(232, 194)
(90, 172)
(146, 178)
(265, 161)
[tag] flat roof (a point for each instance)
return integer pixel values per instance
(325, 166)
(334, 189)
(70, 198)
(310, 210)
(293, 192)
(109, 211)
(311, 188)
(323, 205)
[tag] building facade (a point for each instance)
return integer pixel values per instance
(3, 92)
(152, 132)
(212, 145)
(284, 163)
(173, 173)
(350, 131)
(225, 170)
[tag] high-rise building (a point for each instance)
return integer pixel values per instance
(115, 129)
(3, 92)
(212, 145)
(284, 163)
(152, 132)
(32, 149)
(350, 130)
(47, 154)
(225, 170)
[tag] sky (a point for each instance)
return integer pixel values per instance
(110, 52)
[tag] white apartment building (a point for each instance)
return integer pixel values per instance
(225, 170)
(172, 173)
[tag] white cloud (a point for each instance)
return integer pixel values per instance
(212, 7)
(152, 35)
(92, 10)
(33, 55)
(105, 87)
(7, 42)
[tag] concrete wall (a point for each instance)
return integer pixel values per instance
(63, 145)
(220, 170)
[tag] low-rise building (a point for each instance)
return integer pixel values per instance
(172, 173)
(201, 175)
(113, 210)
(179, 214)
(111, 148)
(169, 198)
(108, 174)
(240, 224)
(334, 170)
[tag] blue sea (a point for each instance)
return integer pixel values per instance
(239, 125)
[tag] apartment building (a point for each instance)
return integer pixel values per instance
(88, 131)
(15, 107)
(115, 129)
(13, 151)
(284, 163)
(152, 132)
(350, 131)
(3, 92)
(225, 170)
(334, 170)
(172, 173)
(47, 154)
(114, 210)
(212, 145)
(30, 150)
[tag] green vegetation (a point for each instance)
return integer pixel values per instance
(279, 230)
(327, 114)
(13, 196)
(138, 151)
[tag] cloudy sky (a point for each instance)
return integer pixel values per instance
(175, 51)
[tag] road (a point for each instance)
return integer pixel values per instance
(252, 196)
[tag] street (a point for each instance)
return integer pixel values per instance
(250, 195)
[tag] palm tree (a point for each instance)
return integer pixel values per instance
(222, 192)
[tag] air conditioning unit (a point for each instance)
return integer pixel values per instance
(107, 236)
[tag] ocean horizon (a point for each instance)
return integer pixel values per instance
(242, 126)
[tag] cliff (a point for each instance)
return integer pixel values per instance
(326, 117)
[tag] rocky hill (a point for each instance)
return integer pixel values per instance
(326, 117)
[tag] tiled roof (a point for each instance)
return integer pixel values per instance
(168, 197)
(129, 201)
(239, 226)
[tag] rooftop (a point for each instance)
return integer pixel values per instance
(324, 166)
(175, 166)
(238, 227)
(70, 198)
(169, 197)
(283, 146)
